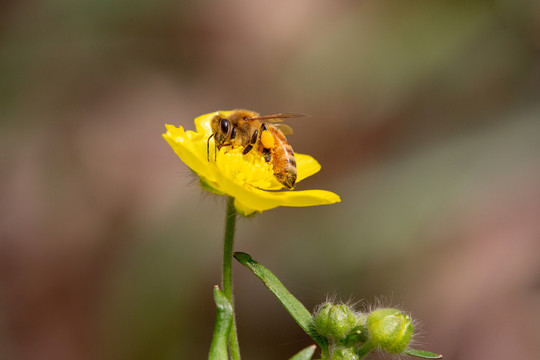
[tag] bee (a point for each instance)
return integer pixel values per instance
(251, 131)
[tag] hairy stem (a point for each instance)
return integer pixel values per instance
(365, 349)
(230, 223)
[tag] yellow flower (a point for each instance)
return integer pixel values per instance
(249, 179)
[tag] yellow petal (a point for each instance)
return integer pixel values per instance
(266, 200)
(305, 166)
(202, 123)
(191, 149)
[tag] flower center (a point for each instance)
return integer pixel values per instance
(250, 169)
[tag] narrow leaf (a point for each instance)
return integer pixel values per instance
(218, 348)
(305, 354)
(299, 313)
(422, 354)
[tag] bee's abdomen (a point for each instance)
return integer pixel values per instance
(283, 161)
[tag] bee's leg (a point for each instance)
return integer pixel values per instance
(254, 137)
(267, 142)
(267, 138)
(247, 149)
(252, 142)
(267, 155)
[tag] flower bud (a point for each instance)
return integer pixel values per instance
(390, 330)
(344, 354)
(334, 321)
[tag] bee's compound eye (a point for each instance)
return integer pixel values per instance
(224, 126)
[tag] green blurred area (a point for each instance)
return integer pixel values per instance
(426, 120)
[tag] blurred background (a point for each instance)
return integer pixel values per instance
(426, 120)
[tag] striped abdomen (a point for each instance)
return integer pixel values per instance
(283, 159)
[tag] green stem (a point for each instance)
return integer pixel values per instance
(230, 223)
(365, 349)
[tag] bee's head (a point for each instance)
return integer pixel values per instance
(222, 130)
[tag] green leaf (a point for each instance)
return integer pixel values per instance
(422, 354)
(218, 349)
(305, 354)
(299, 313)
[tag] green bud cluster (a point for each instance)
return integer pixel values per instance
(354, 334)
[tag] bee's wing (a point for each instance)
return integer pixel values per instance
(276, 118)
(285, 129)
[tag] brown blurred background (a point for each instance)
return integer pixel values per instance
(426, 120)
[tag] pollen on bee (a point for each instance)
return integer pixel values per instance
(267, 139)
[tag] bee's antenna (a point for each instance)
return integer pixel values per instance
(208, 148)
(280, 116)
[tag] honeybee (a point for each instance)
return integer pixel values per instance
(250, 130)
